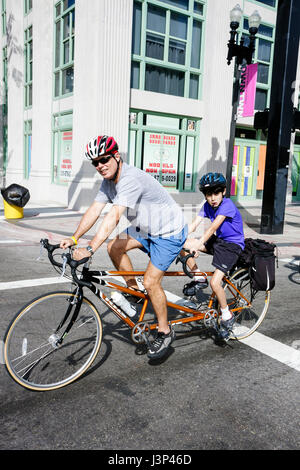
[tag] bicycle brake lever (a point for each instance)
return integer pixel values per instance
(65, 260)
(40, 257)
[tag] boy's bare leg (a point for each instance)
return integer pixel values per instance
(217, 288)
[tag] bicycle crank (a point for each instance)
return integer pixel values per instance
(140, 333)
(210, 318)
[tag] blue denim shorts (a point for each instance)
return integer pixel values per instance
(162, 251)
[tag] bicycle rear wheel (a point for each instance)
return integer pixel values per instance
(34, 354)
(248, 319)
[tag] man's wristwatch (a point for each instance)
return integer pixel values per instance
(90, 249)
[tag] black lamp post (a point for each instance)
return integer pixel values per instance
(241, 53)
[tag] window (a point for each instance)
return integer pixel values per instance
(263, 55)
(28, 66)
(62, 147)
(64, 47)
(27, 6)
(270, 3)
(27, 148)
(3, 16)
(166, 46)
(165, 147)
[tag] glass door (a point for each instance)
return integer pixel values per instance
(244, 170)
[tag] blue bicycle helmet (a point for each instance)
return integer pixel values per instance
(212, 181)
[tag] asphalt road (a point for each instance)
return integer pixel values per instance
(202, 397)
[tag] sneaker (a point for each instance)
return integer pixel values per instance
(192, 287)
(226, 327)
(160, 345)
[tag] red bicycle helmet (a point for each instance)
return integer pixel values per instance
(100, 146)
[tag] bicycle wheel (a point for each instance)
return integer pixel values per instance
(34, 355)
(249, 318)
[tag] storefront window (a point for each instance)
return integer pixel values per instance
(165, 147)
(62, 148)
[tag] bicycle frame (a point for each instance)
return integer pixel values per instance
(194, 315)
(89, 278)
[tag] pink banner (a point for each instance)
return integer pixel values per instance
(247, 90)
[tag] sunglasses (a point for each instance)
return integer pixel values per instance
(102, 160)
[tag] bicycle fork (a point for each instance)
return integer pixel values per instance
(75, 299)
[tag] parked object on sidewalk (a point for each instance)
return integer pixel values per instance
(15, 197)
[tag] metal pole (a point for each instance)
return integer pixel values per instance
(235, 103)
(280, 116)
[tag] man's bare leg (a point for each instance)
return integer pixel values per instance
(152, 283)
(117, 250)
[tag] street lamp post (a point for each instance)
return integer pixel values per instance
(241, 53)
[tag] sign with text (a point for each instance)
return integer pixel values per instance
(247, 90)
(161, 157)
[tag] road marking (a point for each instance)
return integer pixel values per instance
(32, 283)
(11, 241)
(281, 352)
(264, 344)
(274, 349)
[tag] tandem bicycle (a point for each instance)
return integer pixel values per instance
(55, 338)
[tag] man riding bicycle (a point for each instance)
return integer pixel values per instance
(157, 227)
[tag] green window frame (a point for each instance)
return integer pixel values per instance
(263, 55)
(28, 66)
(167, 46)
(27, 6)
(27, 148)
(272, 4)
(62, 136)
(64, 37)
(3, 17)
(166, 147)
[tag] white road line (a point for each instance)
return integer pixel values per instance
(274, 349)
(32, 283)
(11, 241)
(268, 346)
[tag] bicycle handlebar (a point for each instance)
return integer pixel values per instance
(183, 260)
(67, 256)
(74, 264)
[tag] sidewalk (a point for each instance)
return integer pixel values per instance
(54, 222)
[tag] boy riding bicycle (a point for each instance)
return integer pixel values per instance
(224, 239)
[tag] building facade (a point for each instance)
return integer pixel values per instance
(152, 73)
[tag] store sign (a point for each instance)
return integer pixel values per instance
(247, 90)
(66, 157)
(161, 157)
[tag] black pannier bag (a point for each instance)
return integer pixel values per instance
(259, 257)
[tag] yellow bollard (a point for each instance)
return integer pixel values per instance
(11, 211)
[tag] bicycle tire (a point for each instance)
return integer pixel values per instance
(247, 319)
(34, 359)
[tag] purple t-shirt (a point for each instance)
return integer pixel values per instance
(231, 230)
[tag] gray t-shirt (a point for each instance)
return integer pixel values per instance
(150, 206)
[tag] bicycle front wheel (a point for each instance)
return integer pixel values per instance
(39, 355)
(248, 318)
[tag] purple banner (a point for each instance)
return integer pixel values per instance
(247, 90)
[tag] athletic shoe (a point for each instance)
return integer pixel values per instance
(160, 345)
(192, 287)
(226, 327)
